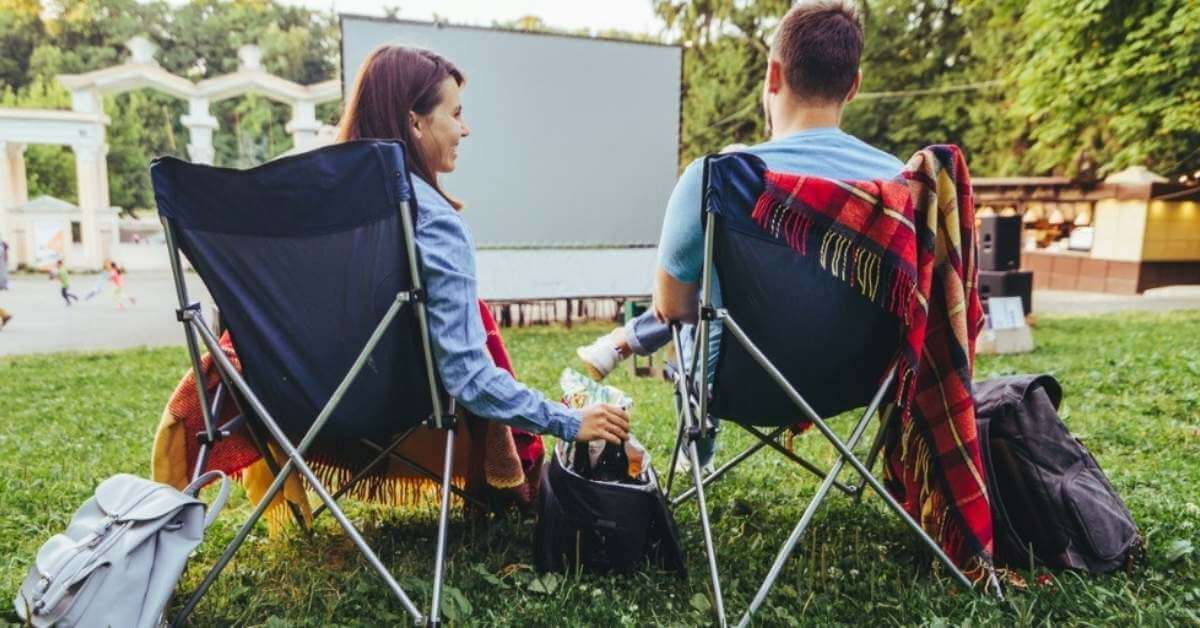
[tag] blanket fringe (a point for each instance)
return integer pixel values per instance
(846, 258)
(390, 491)
(932, 509)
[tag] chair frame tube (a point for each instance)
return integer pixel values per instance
(708, 314)
(194, 325)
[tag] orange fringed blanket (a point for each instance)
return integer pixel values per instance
(504, 459)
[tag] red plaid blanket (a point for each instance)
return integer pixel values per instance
(909, 245)
(511, 457)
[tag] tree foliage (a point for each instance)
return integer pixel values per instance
(1024, 86)
(198, 39)
(1118, 79)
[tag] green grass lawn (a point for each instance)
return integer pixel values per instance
(1132, 394)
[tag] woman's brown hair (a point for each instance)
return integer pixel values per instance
(393, 81)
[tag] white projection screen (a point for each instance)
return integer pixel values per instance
(572, 155)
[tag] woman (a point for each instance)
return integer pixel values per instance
(413, 95)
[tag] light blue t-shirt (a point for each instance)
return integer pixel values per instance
(823, 152)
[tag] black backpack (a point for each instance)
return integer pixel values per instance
(1051, 503)
(603, 527)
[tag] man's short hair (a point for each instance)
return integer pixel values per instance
(819, 44)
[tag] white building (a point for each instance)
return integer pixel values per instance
(82, 129)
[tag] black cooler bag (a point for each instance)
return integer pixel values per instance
(603, 527)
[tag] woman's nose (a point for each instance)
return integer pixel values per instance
(465, 131)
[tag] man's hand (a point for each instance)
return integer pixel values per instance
(603, 420)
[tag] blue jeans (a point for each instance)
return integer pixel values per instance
(645, 335)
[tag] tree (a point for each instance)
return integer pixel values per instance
(198, 39)
(1120, 80)
(49, 169)
(725, 55)
(20, 31)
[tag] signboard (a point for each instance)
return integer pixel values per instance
(49, 242)
(1006, 312)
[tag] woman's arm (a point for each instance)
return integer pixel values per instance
(468, 373)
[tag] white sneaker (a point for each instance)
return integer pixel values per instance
(600, 357)
(683, 466)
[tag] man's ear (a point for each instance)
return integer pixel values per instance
(774, 76)
(854, 87)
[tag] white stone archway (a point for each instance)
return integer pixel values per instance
(143, 71)
(82, 128)
(84, 133)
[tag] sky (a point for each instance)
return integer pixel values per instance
(633, 16)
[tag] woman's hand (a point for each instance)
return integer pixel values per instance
(603, 420)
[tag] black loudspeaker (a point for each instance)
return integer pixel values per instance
(1010, 283)
(999, 242)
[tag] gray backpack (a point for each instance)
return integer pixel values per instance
(120, 557)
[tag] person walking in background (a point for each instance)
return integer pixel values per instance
(64, 280)
(116, 275)
(3, 265)
(99, 285)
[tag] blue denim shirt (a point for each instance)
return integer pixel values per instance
(459, 342)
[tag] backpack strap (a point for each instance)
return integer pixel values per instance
(217, 504)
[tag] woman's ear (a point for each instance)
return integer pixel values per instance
(416, 124)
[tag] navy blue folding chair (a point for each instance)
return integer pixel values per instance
(313, 264)
(797, 344)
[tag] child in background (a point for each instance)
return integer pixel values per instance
(116, 275)
(64, 280)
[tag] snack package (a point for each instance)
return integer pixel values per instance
(579, 391)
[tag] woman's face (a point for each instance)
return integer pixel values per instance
(440, 130)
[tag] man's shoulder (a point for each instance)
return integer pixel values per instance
(830, 153)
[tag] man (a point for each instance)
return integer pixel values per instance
(812, 73)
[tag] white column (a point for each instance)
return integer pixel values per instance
(91, 172)
(86, 101)
(304, 125)
(200, 125)
(13, 187)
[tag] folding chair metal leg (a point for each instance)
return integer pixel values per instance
(876, 447)
(296, 461)
(706, 526)
(678, 443)
(733, 462)
(844, 451)
(210, 435)
(692, 429)
(786, 551)
(791, 455)
(416, 466)
(366, 470)
(435, 609)
(268, 458)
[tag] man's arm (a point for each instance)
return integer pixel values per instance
(675, 300)
(680, 251)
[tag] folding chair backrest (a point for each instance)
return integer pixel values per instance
(303, 256)
(829, 341)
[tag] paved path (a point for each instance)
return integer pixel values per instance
(42, 324)
(1157, 300)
